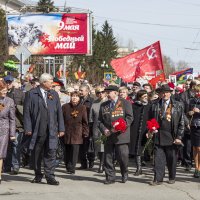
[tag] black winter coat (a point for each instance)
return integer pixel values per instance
(138, 127)
(195, 103)
(177, 117)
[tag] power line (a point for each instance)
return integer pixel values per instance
(196, 36)
(185, 2)
(151, 24)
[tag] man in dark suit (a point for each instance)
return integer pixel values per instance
(43, 122)
(110, 111)
(169, 114)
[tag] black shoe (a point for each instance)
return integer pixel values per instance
(125, 178)
(70, 171)
(108, 182)
(171, 181)
(83, 167)
(15, 171)
(91, 164)
(138, 172)
(155, 183)
(37, 179)
(52, 181)
(188, 168)
(101, 169)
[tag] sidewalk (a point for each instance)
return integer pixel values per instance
(88, 185)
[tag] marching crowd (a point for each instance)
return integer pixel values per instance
(42, 125)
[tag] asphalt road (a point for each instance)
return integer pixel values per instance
(89, 185)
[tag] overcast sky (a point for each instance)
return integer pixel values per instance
(176, 23)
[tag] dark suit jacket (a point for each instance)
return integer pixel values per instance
(18, 96)
(177, 120)
(106, 119)
(32, 112)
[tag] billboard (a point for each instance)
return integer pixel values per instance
(50, 34)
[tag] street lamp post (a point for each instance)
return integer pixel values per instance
(104, 65)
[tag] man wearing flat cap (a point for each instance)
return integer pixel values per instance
(169, 115)
(110, 111)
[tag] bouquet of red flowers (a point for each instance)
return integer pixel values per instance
(119, 125)
(152, 125)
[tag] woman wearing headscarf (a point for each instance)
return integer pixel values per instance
(141, 109)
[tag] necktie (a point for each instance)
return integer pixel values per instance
(164, 108)
(112, 105)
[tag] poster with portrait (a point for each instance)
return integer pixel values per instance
(172, 79)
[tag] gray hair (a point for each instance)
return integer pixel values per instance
(45, 77)
(85, 86)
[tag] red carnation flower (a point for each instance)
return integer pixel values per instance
(120, 125)
(152, 125)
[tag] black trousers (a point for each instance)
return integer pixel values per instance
(41, 152)
(122, 156)
(86, 156)
(165, 155)
(187, 151)
(71, 156)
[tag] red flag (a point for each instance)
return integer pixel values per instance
(146, 62)
(155, 80)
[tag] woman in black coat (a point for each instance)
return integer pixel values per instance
(194, 107)
(140, 114)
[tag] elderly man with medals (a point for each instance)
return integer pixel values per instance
(169, 115)
(113, 114)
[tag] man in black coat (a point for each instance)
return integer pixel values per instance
(110, 111)
(43, 122)
(169, 114)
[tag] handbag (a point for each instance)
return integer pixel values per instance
(91, 145)
(60, 150)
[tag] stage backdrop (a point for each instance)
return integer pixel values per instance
(50, 34)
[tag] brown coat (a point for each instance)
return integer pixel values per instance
(75, 127)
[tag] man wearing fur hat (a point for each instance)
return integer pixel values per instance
(169, 115)
(116, 141)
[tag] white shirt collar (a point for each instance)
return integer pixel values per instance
(43, 92)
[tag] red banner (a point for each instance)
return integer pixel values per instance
(145, 63)
(50, 34)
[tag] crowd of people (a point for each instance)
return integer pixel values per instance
(43, 124)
